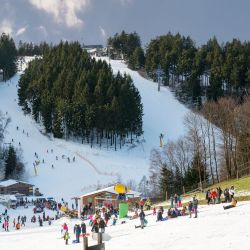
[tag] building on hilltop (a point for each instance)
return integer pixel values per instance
(95, 50)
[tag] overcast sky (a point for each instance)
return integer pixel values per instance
(92, 21)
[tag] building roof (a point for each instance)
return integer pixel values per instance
(11, 182)
(112, 191)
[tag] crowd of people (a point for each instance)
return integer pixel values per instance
(213, 196)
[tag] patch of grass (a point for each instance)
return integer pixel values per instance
(242, 184)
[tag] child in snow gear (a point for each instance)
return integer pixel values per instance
(66, 237)
(154, 211)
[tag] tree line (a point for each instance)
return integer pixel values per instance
(8, 56)
(214, 148)
(32, 49)
(75, 95)
(211, 70)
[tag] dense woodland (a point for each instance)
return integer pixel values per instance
(8, 56)
(216, 78)
(31, 49)
(74, 95)
(129, 46)
(211, 70)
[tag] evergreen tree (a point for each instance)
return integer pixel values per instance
(13, 167)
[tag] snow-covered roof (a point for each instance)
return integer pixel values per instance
(7, 197)
(11, 182)
(112, 191)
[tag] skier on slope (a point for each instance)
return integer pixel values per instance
(142, 218)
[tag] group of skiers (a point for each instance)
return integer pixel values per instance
(214, 195)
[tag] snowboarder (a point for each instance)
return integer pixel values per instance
(74, 159)
(56, 157)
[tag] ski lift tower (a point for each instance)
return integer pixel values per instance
(159, 70)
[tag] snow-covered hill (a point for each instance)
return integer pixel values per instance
(162, 114)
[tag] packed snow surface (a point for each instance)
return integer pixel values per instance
(92, 166)
(215, 228)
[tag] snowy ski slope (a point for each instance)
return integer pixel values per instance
(162, 114)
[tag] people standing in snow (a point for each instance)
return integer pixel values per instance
(208, 196)
(6, 225)
(175, 200)
(142, 218)
(83, 228)
(179, 201)
(66, 237)
(171, 201)
(231, 193)
(154, 211)
(190, 208)
(77, 232)
(195, 206)
(102, 225)
(226, 195)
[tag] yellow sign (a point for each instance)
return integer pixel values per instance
(120, 188)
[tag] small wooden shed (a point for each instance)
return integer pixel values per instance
(105, 197)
